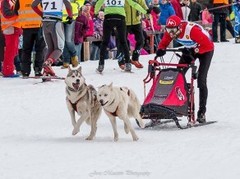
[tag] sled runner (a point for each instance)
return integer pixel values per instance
(171, 96)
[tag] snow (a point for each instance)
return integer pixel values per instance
(36, 140)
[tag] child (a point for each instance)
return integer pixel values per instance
(81, 27)
(98, 33)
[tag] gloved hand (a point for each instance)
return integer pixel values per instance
(186, 51)
(69, 20)
(160, 52)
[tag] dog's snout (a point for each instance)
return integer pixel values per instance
(101, 101)
(78, 81)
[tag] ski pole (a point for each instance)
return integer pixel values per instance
(219, 7)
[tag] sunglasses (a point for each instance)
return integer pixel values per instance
(171, 30)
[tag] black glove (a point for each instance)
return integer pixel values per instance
(160, 52)
(69, 20)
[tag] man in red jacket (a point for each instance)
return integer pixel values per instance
(198, 44)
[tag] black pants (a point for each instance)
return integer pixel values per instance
(139, 38)
(110, 23)
(32, 37)
(219, 17)
(204, 64)
(138, 33)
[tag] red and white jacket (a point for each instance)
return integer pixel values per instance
(192, 35)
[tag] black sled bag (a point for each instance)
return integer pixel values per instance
(168, 96)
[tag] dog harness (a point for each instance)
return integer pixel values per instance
(74, 105)
(115, 112)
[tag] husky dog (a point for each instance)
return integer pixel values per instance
(120, 102)
(82, 99)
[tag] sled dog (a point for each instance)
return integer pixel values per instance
(120, 102)
(82, 99)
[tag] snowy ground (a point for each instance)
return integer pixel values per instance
(36, 140)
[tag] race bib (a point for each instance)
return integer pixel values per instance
(51, 6)
(114, 3)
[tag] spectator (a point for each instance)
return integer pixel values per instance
(32, 39)
(115, 18)
(206, 16)
(81, 28)
(11, 28)
(185, 6)
(53, 30)
(195, 13)
(167, 10)
(220, 15)
(69, 52)
(2, 45)
(98, 34)
(134, 26)
(177, 8)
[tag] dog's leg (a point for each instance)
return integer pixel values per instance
(114, 126)
(128, 123)
(78, 124)
(93, 129)
(139, 119)
(126, 128)
(72, 113)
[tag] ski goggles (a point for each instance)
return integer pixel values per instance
(172, 30)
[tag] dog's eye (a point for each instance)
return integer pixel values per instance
(73, 76)
(105, 95)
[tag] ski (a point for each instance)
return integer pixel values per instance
(202, 124)
(122, 70)
(156, 123)
(98, 72)
(46, 77)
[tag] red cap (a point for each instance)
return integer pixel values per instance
(173, 21)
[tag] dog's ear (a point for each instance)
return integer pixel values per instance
(100, 86)
(79, 69)
(69, 69)
(111, 85)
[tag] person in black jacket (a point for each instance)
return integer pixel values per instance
(220, 15)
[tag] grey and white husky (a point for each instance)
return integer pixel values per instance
(82, 99)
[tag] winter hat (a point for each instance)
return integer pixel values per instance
(173, 21)
(156, 9)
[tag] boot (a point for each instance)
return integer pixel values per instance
(128, 67)
(74, 61)
(121, 61)
(201, 118)
(65, 65)
(137, 64)
(100, 68)
(47, 67)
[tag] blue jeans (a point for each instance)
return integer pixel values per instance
(78, 51)
(95, 52)
(69, 46)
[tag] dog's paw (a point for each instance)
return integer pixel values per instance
(126, 129)
(89, 138)
(135, 138)
(142, 125)
(75, 131)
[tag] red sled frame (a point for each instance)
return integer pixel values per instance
(155, 65)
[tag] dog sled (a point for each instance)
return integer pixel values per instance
(171, 96)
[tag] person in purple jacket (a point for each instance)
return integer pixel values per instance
(81, 27)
